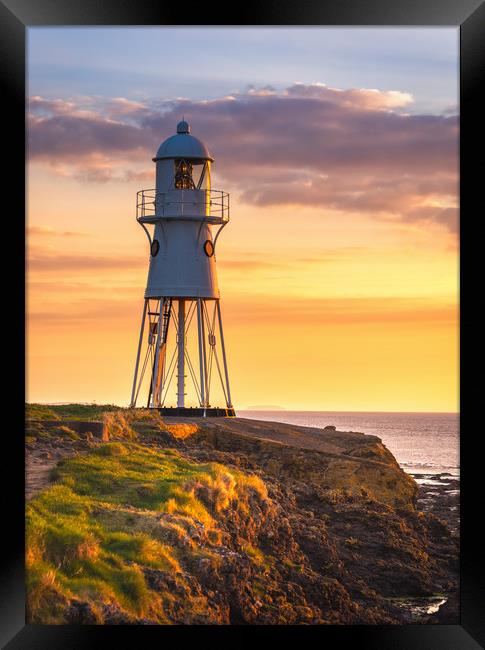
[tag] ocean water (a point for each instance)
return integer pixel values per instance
(422, 443)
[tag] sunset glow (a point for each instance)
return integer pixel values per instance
(339, 268)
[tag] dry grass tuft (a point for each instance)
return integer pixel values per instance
(120, 509)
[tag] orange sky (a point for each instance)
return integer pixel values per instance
(339, 268)
(323, 310)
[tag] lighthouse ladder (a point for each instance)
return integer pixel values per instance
(167, 310)
(160, 352)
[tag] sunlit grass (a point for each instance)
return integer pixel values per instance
(114, 511)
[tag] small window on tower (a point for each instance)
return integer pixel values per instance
(183, 175)
(155, 247)
(209, 248)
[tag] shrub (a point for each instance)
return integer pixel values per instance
(40, 412)
(118, 425)
(82, 411)
(66, 432)
(112, 449)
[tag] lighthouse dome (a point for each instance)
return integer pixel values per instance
(183, 145)
(183, 127)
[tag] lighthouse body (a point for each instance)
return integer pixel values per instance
(181, 267)
(183, 210)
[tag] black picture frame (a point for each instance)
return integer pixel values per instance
(15, 17)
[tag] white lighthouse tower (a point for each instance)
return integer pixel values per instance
(182, 282)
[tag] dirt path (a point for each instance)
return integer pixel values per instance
(36, 474)
(41, 458)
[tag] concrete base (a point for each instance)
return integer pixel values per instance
(198, 412)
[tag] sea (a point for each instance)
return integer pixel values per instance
(426, 445)
(422, 443)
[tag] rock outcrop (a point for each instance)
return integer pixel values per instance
(331, 534)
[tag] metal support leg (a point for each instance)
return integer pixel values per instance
(204, 355)
(200, 329)
(142, 328)
(162, 351)
(181, 356)
(229, 401)
(156, 359)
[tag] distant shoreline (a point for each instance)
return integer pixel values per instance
(250, 410)
(278, 409)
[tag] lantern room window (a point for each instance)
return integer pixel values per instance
(183, 175)
(191, 174)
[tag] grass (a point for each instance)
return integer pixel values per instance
(116, 511)
(40, 412)
(38, 430)
(68, 411)
(118, 423)
(128, 424)
(257, 556)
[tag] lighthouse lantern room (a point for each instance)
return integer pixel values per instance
(182, 300)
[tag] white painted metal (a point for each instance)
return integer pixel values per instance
(200, 333)
(160, 351)
(226, 374)
(181, 355)
(181, 268)
(182, 210)
(183, 145)
(205, 399)
(156, 359)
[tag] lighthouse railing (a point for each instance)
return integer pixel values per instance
(176, 204)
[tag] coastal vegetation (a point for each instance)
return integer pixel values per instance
(131, 519)
(114, 510)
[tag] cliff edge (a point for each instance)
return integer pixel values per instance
(223, 521)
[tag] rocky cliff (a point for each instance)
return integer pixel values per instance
(225, 521)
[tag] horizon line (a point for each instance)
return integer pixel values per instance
(268, 410)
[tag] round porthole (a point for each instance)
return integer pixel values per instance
(155, 247)
(209, 248)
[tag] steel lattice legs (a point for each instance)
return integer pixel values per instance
(163, 363)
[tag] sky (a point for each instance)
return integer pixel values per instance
(339, 268)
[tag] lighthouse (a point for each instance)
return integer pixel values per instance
(181, 354)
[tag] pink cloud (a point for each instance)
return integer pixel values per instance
(48, 231)
(347, 150)
(41, 260)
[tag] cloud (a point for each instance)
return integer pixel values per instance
(71, 137)
(95, 311)
(350, 150)
(46, 261)
(48, 231)
(447, 216)
(111, 284)
(268, 309)
(252, 262)
(123, 106)
(41, 259)
(339, 311)
(362, 97)
(249, 265)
